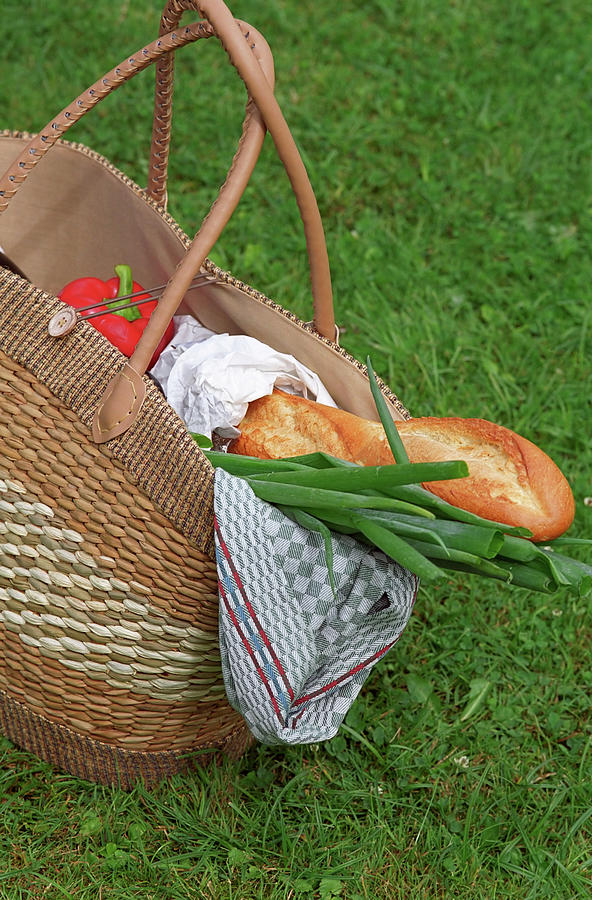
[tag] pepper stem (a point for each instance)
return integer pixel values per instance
(126, 287)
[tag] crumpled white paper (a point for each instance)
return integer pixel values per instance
(209, 379)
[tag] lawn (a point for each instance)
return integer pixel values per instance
(449, 145)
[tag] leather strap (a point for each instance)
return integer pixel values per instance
(258, 87)
(163, 104)
(216, 12)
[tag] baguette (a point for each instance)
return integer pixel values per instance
(510, 480)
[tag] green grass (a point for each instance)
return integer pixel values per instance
(449, 145)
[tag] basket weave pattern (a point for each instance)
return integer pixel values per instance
(106, 596)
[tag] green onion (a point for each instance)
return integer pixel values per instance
(518, 549)
(390, 429)
(248, 465)
(566, 541)
(303, 496)
(343, 520)
(454, 559)
(339, 519)
(396, 548)
(413, 493)
(527, 575)
(368, 477)
(572, 572)
(321, 460)
(477, 539)
(406, 526)
(202, 440)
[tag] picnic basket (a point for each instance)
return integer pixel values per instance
(109, 656)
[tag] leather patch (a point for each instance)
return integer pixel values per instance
(120, 405)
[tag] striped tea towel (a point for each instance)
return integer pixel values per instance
(294, 654)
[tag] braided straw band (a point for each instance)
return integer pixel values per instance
(99, 762)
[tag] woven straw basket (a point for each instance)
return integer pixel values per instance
(109, 659)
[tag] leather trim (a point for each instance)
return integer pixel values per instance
(120, 405)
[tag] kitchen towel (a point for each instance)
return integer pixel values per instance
(296, 649)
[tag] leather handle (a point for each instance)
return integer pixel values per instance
(253, 127)
(219, 16)
(122, 399)
(259, 89)
(163, 105)
(216, 12)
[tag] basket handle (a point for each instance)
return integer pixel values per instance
(219, 18)
(123, 396)
(163, 103)
(163, 48)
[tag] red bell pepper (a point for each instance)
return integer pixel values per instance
(123, 327)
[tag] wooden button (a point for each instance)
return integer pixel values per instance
(62, 322)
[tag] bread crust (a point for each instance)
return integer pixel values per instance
(511, 480)
(281, 424)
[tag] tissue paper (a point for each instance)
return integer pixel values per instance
(209, 379)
